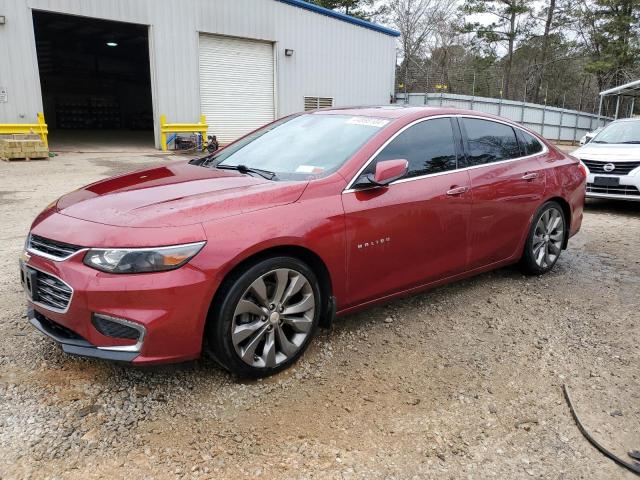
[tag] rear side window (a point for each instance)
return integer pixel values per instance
(428, 147)
(530, 144)
(490, 141)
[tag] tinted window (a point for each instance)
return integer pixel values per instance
(428, 147)
(490, 141)
(530, 144)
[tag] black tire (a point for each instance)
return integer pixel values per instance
(530, 262)
(223, 320)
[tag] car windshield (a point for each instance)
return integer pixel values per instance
(300, 147)
(620, 132)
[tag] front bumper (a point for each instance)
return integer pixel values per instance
(72, 343)
(170, 309)
(628, 188)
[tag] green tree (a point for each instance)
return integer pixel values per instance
(364, 9)
(611, 29)
(511, 23)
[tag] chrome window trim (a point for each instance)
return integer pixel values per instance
(136, 326)
(49, 307)
(350, 189)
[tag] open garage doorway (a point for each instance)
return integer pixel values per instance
(95, 81)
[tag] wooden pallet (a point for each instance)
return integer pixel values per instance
(23, 159)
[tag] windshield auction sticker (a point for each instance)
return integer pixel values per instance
(368, 121)
(309, 169)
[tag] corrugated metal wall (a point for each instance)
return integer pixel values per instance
(551, 122)
(331, 58)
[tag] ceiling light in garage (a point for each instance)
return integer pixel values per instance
(112, 44)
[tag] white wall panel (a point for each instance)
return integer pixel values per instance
(236, 85)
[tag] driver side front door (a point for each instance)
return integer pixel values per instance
(414, 231)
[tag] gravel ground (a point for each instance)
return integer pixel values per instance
(460, 382)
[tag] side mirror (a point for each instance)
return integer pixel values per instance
(387, 171)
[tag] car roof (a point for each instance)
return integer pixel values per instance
(395, 111)
(626, 120)
(384, 111)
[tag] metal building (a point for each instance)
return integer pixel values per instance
(118, 65)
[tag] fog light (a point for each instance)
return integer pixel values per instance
(115, 327)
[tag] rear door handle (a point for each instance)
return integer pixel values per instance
(530, 176)
(457, 190)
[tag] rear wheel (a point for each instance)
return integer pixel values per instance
(264, 317)
(545, 240)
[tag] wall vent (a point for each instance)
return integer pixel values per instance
(314, 103)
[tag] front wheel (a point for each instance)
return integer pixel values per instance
(264, 317)
(545, 240)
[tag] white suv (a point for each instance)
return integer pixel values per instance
(613, 161)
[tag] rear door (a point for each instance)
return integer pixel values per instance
(415, 230)
(507, 186)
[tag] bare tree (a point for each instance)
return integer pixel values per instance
(418, 22)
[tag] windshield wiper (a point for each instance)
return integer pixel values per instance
(244, 169)
(631, 141)
(598, 141)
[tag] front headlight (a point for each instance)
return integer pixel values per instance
(141, 260)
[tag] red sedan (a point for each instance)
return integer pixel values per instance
(244, 253)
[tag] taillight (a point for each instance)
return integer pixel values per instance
(583, 169)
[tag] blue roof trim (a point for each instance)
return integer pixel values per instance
(341, 16)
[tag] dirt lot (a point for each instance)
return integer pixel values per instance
(460, 382)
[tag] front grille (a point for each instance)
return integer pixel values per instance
(115, 329)
(627, 190)
(621, 168)
(51, 248)
(46, 290)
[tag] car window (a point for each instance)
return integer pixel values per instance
(619, 132)
(489, 141)
(530, 144)
(428, 147)
(300, 147)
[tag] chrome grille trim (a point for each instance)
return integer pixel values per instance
(621, 168)
(47, 300)
(52, 249)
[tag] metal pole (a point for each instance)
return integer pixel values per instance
(524, 100)
(600, 110)
(561, 115)
(544, 110)
(473, 90)
(633, 106)
(500, 104)
(617, 106)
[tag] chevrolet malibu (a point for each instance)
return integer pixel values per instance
(244, 253)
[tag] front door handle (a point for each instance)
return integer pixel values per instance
(530, 176)
(457, 190)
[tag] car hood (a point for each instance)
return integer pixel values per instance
(175, 195)
(609, 152)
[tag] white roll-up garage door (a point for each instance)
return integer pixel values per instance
(236, 85)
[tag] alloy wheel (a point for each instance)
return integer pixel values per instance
(548, 237)
(273, 318)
